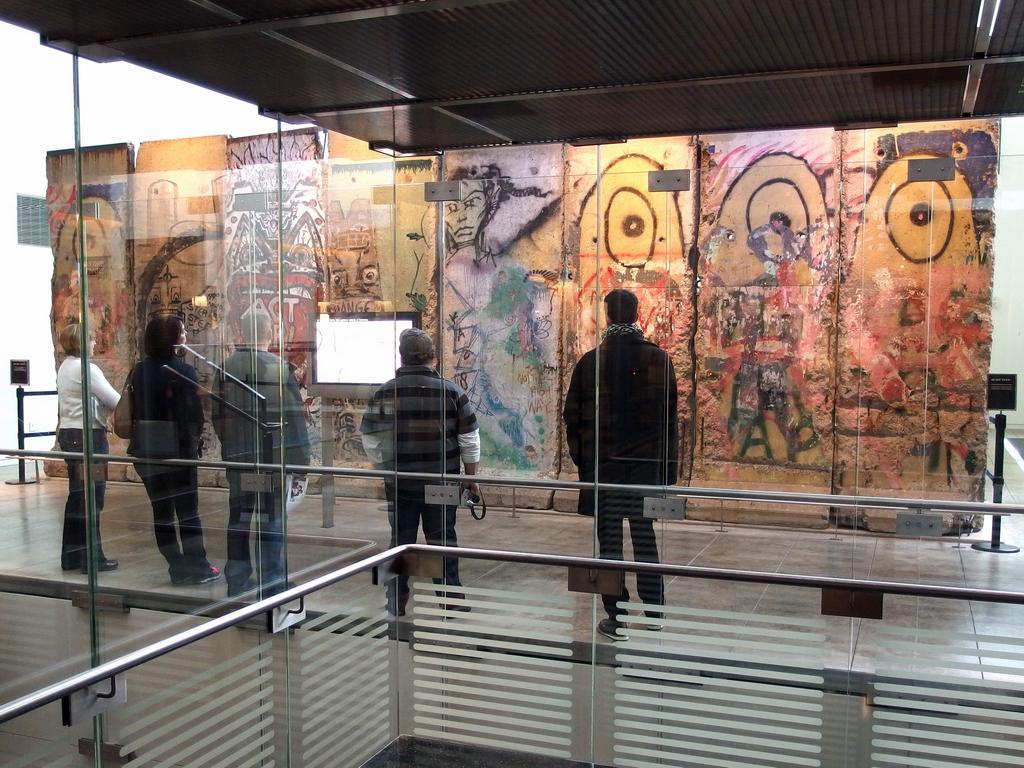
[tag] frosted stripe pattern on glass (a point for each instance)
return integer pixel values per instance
(341, 685)
(718, 688)
(206, 705)
(498, 676)
(947, 700)
(25, 752)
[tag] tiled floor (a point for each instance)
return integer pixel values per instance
(30, 520)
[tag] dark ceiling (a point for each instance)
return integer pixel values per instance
(432, 74)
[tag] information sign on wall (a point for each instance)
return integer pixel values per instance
(1002, 391)
(19, 372)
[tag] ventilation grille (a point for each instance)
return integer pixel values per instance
(33, 228)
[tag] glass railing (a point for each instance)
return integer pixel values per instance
(536, 659)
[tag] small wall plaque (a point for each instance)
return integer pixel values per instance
(931, 169)
(668, 181)
(442, 191)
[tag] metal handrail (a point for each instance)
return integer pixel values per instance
(690, 492)
(66, 687)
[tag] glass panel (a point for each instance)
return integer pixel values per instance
(501, 666)
(343, 685)
(220, 700)
(943, 681)
(39, 740)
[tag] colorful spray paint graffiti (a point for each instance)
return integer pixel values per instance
(271, 224)
(502, 303)
(628, 237)
(766, 309)
(104, 230)
(177, 234)
(916, 330)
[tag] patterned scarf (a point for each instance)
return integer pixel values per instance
(622, 329)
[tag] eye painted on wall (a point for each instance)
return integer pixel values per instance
(921, 214)
(370, 276)
(633, 226)
(630, 226)
(919, 220)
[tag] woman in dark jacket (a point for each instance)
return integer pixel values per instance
(168, 420)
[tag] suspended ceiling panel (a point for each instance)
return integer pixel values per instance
(448, 73)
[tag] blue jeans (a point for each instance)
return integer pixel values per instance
(405, 515)
(265, 508)
(73, 544)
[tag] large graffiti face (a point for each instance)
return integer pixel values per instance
(465, 219)
(765, 393)
(631, 238)
(352, 263)
(500, 307)
(916, 318)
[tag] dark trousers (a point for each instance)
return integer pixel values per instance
(73, 551)
(265, 509)
(613, 508)
(405, 513)
(174, 493)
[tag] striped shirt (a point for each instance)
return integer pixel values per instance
(418, 418)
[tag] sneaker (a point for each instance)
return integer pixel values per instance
(610, 629)
(206, 575)
(459, 608)
(202, 574)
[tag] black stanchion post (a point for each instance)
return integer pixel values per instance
(20, 393)
(996, 544)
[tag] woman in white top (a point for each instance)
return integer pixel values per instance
(71, 425)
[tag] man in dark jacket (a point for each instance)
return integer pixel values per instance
(262, 426)
(620, 423)
(420, 422)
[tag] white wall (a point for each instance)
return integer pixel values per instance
(1008, 290)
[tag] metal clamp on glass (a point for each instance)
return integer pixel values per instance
(282, 617)
(447, 495)
(91, 701)
(665, 509)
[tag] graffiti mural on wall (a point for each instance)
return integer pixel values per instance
(766, 308)
(635, 239)
(177, 233)
(104, 231)
(916, 327)
(501, 302)
(254, 207)
(627, 237)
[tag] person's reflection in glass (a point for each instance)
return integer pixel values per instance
(168, 422)
(420, 422)
(72, 417)
(253, 423)
(620, 422)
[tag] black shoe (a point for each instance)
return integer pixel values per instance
(102, 565)
(70, 566)
(459, 608)
(610, 629)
